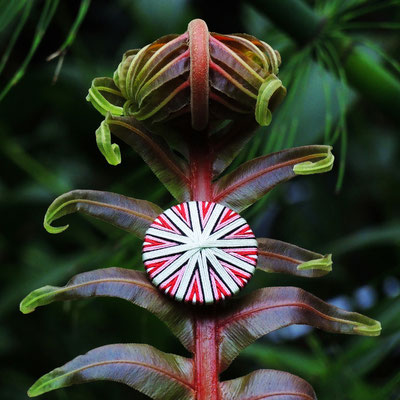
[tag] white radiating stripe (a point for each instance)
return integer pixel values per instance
(231, 243)
(212, 220)
(150, 254)
(228, 228)
(234, 261)
(180, 294)
(194, 214)
(179, 223)
(205, 279)
(173, 267)
(233, 287)
(168, 235)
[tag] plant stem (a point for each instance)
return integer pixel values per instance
(206, 349)
(201, 156)
(206, 359)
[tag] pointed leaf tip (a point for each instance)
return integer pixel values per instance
(324, 264)
(110, 151)
(318, 167)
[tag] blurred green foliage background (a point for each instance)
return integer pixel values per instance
(47, 147)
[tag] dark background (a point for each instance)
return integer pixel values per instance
(47, 147)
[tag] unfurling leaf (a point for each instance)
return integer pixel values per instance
(132, 215)
(126, 284)
(110, 151)
(265, 384)
(270, 95)
(253, 179)
(208, 76)
(158, 375)
(266, 310)
(169, 169)
(106, 97)
(281, 257)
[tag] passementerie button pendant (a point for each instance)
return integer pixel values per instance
(200, 252)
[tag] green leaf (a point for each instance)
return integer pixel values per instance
(253, 179)
(130, 285)
(281, 257)
(271, 94)
(106, 97)
(266, 310)
(318, 167)
(159, 375)
(321, 264)
(266, 383)
(172, 171)
(132, 215)
(111, 152)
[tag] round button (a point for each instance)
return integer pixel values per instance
(200, 252)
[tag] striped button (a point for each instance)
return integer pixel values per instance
(199, 252)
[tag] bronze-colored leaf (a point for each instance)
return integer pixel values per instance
(130, 285)
(253, 179)
(132, 215)
(266, 310)
(265, 384)
(159, 375)
(277, 256)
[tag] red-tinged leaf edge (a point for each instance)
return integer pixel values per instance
(132, 215)
(159, 375)
(280, 257)
(265, 384)
(126, 284)
(253, 179)
(248, 318)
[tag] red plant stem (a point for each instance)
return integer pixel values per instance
(201, 158)
(206, 359)
(206, 347)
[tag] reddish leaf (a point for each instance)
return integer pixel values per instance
(266, 310)
(130, 285)
(228, 141)
(253, 179)
(170, 170)
(159, 375)
(265, 384)
(277, 256)
(132, 215)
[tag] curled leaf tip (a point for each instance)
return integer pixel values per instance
(110, 151)
(323, 264)
(316, 167)
(24, 306)
(48, 219)
(102, 87)
(270, 94)
(374, 328)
